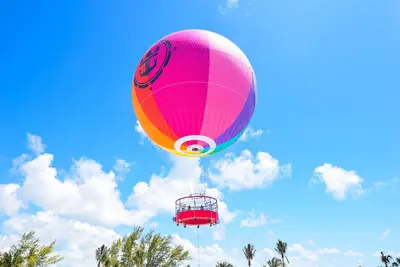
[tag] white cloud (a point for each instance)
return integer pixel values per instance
(250, 133)
(232, 3)
(223, 210)
(158, 194)
(6, 241)
(270, 253)
(17, 162)
(391, 184)
(219, 232)
(385, 234)
(286, 170)
(154, 224)
(122, 167)
(350, 253)
(75, 240)
(253, 221)
(140, 131)
(246, 171)
(339, 182)
(35, 144)
(87, 186)
(228, 5)
(208, 255)
(9, 201)
(312, 255)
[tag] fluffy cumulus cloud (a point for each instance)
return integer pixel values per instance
(9, 201)
(95, 191)
(339, 182)
(183, 178)
(301, 253)
(87, 186)
(247, 170)
(79, 231)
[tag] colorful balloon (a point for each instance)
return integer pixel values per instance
(194, 93)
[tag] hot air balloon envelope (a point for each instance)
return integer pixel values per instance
(194, 93)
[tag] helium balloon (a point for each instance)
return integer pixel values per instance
(194, 93)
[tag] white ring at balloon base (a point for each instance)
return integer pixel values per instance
(211, 143)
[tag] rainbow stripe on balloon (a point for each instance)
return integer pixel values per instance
(194, 93)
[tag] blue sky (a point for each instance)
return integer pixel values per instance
(327, 75)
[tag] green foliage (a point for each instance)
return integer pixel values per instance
(29, 253)
(142, 250)
(223, 264)
(274, 262)
(134, 250)
(396, 263)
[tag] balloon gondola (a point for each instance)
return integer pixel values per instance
(196, 210)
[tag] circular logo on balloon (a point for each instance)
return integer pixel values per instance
(152, 64)
(196, 145)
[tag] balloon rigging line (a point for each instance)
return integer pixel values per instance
(198, 247)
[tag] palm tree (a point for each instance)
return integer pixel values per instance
(101, 255)
(396, 263)
(223, 264)
(249, 252)
(281, 249)
(386, 259)
(275, 262)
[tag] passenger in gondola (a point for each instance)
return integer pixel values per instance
(189, 208)
(201, 207)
